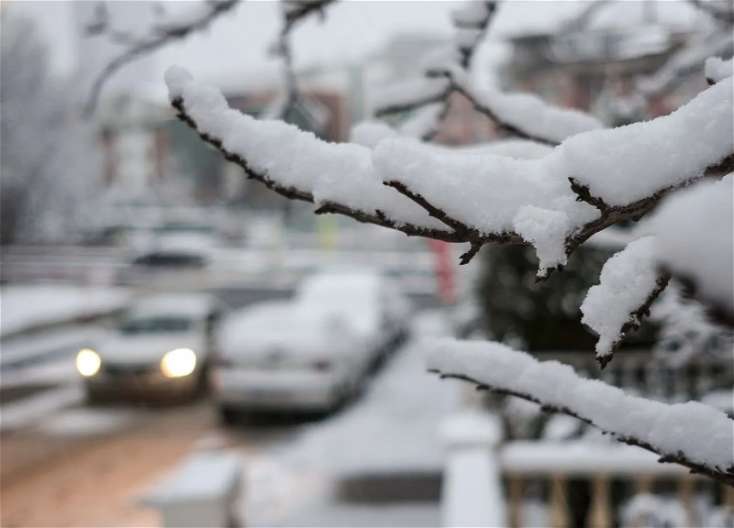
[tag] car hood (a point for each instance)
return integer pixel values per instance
(121, 349)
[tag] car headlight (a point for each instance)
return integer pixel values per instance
(178, 363)
(88, 362)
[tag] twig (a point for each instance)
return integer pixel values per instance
(162, 37)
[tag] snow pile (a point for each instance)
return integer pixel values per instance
(627, 280)
(694, 230)
(718, 69)
(702, 433)
(27, 307)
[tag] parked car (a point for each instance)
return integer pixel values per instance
(161, 348)
(310, 353)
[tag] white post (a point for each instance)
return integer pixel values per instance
(472, 491)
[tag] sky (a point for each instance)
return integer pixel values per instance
(235, 48)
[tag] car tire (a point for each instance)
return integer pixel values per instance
(228, 415)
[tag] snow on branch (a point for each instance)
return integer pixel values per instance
(409, 95)
(501, 198)
(429, 95)
(694, 238)
(686, 60)
(193, 20)
(520, 114)
(629, 282)
(692, 434)
(338, 178)
(555, 203)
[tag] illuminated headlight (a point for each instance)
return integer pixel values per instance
(88, 362)
(178, 363)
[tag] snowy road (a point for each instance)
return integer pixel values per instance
(89, 466)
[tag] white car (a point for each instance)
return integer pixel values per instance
(310, 353)
(161, 348)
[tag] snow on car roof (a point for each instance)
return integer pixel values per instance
(191, 305)
(285, 319)
(340, 284)
(255, 318)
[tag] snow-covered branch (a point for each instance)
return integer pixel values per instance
(691, 434)
(520, 114)
(629, 282)
(429, 95)
(196, 19)
(555, 203)
(337, 178)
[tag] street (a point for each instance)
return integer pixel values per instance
(90, 466)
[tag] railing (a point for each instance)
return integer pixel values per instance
(575, 483)
(584, 483)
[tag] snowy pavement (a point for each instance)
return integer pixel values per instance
(31, 410)
(295, 473)
(391, 433)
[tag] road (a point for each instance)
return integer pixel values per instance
(90, 466)
(65, 464)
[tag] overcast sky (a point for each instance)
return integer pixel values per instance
(236, 45)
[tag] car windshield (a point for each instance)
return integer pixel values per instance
(153, 325)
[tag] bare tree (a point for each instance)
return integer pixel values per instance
(48, 160)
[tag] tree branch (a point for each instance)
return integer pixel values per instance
(164, 35)
(294, 12)
(725, 476)
(293, 193)
(691, 434)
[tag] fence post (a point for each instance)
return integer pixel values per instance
(472, 490)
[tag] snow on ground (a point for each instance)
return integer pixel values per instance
(26, 352)
(88, 422)
(29, 410)
(393, 428)
(25, 307)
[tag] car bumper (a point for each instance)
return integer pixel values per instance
(144, 385)
(277, 390)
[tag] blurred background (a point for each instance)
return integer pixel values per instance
(181, 346)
